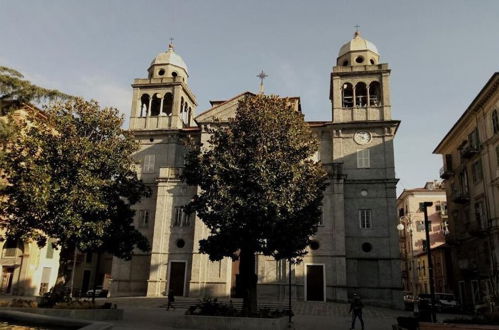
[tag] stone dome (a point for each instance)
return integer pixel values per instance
(170, 57)
(357, 44)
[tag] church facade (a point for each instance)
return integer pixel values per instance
(356, 245)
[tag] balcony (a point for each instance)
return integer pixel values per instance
(446, 173)
(470, 151)
(460, 197)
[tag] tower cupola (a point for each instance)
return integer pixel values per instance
(163, 100)
(358, 51)
(168, 64)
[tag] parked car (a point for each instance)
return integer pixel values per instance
(99, 292)
(424, 300)
(448, 302)
(444, 302)
(409, 301)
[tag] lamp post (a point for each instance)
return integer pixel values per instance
(430, 263)
(406, 223)
(290, 313)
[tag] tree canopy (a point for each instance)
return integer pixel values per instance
(15, 90)
(260, 190)
(70, 177)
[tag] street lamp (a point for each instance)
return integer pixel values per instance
(407, 220)
(430, 263)
(290, 312)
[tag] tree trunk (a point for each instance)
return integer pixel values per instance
(66, 258)
(249, 279)
(60, 291)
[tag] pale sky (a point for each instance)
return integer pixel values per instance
(441, 54)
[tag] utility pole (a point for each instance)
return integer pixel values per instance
(430, 262)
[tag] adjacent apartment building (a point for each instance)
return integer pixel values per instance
(470, 152)
(415, 274)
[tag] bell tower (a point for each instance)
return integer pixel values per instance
(362, 133)
(163, 100)
(360, 86)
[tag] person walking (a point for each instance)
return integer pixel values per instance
(171, 299)
(356, 310)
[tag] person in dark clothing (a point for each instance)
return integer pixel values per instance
(171, 299)
(356, 310)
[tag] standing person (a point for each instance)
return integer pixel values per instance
(356, 310)
(171, 299)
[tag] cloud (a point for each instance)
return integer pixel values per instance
(106, 92)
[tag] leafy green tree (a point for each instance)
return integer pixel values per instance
(6, 132)
(15, 90)
(260, 192)
(70, 177)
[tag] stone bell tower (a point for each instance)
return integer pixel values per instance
(362, 141)
(163, 100)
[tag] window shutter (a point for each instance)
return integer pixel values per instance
(149, 163)
(363, 158)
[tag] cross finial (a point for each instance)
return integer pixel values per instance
(356, 30)
(262, 75)
(170, 45)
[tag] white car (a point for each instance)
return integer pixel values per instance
(447, 301)
(99, 292)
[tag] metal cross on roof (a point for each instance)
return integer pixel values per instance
(262, 75)
(356, 27)
(171, 43)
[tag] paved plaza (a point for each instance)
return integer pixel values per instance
(151, 314)
(148, 313)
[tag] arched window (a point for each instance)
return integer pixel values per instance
(189, 116)
(167, 104)
(144, 105)
(347, 95)
(374, 94)
(361, 94)
(495, 122)
(155, 105)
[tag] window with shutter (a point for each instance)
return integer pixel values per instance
(177, 222)
(143, 218)
(50, 250)
(365, 218)
(363, 160)
(148, 166)
(495, 122)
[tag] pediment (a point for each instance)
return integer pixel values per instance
(222, 110)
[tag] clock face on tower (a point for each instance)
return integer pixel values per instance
(362, 137)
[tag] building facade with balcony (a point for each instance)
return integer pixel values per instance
(415, 273)
(470, 152)
(357, 234)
